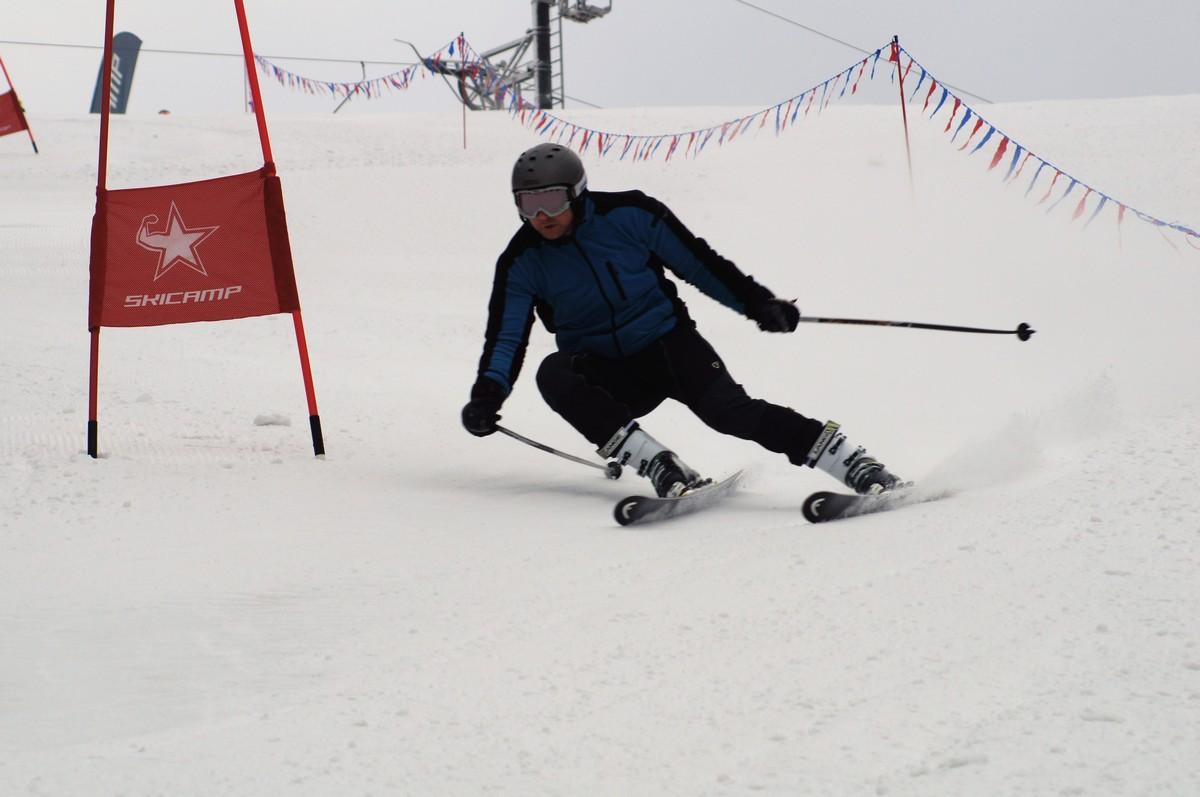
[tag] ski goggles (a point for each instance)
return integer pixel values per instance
(551, 201)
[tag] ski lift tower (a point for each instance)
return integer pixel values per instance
(513, 67)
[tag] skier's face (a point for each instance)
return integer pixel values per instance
(553, 227)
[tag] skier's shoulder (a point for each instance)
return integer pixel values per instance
(522, 241)
(606, 202)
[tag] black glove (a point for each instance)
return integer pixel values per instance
(479, 415)
(777, 315)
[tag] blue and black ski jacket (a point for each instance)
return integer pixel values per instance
(602, 289)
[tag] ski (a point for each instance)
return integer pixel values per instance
(648, 509)
(824, 506)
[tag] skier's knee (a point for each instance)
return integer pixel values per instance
(554, 375)
(725, 420)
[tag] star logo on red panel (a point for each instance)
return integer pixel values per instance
(175, 242)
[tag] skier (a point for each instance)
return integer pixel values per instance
(592, 266)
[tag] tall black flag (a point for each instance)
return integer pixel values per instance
(125, 55)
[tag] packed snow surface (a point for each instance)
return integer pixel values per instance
(210, 609)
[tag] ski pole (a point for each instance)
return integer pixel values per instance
(1023, 330)
(612, 469)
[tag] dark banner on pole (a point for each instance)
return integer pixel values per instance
(125, 54)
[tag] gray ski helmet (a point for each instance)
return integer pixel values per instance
(549, 165)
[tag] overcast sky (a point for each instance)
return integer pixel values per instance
(644, 53)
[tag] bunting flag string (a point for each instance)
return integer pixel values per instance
(642, 147)
(638, 147)
(966, 128)
(370, 89)
(1047, 178)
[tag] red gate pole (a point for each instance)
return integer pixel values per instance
(101, 186)
(20, 110)
(252, 76)
(314, 418)
(93, 441)
(903, 111)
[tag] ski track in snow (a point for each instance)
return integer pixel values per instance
(209, 609)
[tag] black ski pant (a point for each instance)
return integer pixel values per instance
(599, 396)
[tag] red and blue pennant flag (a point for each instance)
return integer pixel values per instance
(1053, 192)
(643, 147)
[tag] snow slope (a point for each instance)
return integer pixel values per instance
(209, 609)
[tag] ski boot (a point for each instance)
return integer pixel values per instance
(849, 464)
(667, 472)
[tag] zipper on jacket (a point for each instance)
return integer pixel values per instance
(612, 272)
(612, 311)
